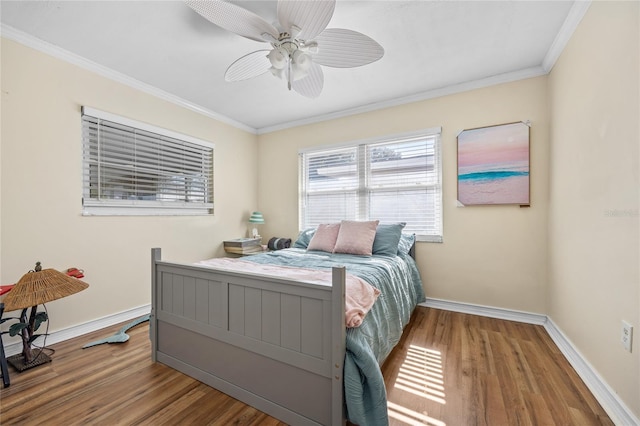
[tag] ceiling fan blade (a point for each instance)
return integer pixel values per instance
(342, 48)
(248, 66)
(310, 85)
(312, 17)
(235, 19)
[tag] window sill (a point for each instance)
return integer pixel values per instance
(133, 211)
(429, 238)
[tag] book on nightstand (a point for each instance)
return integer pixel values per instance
(243, 246)
(242, 242)
(244, 250)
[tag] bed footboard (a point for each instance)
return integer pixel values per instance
(273, 343)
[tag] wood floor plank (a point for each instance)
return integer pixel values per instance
(538, 410)
(448, 369)
(496, 412)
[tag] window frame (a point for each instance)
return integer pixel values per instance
(91, 206)
(364, 189)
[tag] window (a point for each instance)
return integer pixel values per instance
(395, 179)
(132, 168)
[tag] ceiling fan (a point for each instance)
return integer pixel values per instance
(300, 42)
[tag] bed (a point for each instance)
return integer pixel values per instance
(279, 343)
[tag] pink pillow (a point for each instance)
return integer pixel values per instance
(325, 237)
(356, 237)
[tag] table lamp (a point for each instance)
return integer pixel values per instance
(36, 287)
(255, 219)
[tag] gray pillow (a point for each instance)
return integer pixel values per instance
(406, 242)
(303, 238)
(387, 239)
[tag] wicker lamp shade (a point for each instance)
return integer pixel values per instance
(36, 288)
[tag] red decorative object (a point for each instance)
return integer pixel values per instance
(75, 272)
(5, 288)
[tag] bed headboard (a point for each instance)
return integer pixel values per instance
(412, 250)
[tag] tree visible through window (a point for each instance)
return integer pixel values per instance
(397, 179)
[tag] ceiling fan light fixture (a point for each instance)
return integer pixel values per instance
(278, 58)
(300, 64)
(277, 72)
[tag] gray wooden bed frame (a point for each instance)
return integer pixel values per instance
(273, 343)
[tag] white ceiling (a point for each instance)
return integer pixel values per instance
(431, 48)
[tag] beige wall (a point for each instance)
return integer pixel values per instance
(491, 255)
(42, 178)
(594, 237)
(573, 254)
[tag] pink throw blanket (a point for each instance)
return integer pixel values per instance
(359, 295)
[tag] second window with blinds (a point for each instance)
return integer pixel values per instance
(392, 179)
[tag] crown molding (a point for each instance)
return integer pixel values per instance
(430, 94)
(576, 13)
(28, 40)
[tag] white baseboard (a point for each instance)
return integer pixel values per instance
(616, 409)
(79, 330)
(486, 311)
(619, 413)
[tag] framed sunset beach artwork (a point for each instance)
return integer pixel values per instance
(493, 165)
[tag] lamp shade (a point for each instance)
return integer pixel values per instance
(36, 288)
(300, 64)
(278, 58)
(256, 217)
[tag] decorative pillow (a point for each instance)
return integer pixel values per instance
(406, 242)
(356, 237)
(303, 238)
(324, 239)
(387, 239)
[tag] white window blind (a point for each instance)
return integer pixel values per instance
(133, 168)
(395, 179)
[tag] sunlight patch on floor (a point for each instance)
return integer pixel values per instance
(420, 374)
(410, 417)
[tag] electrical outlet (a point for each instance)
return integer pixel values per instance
(627, 335)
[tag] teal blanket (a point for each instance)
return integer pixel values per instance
(400, 286)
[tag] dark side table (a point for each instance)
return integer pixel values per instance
(4, 369)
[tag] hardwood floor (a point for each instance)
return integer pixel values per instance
(459, 369)
(449, 369)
